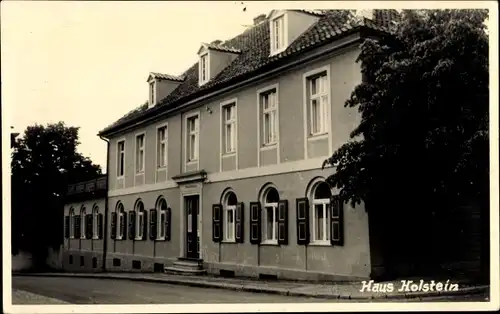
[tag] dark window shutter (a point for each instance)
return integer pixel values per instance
(168, 221)
(337, 221)
(239, 222)
(153, 230)
(124, 225)
(145, 225)
(88, 226)
(66, 227)
(216, 222)
(77, 227)
(302, 207)
(113, 225)
(255, 225)
(283, 222)
(100, 230)
(131, 225)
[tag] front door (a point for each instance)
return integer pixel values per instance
(192, 235)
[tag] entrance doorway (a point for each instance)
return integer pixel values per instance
(192, 207)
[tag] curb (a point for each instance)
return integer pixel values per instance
(271, 290)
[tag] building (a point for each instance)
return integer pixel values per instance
(221, 168)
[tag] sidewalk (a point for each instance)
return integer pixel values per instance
(24, 297)
(351, 291)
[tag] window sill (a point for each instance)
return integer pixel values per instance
(269, 146)
(139, 173)
(270, 242)
(138, 239)
(227, 155)
(228, 241)
(120, 178)
(318, 136)
(277, 51)
(95, 238)
(192, 162)
(320, 243)
(164, 168)
(160, 239)
(119, 239)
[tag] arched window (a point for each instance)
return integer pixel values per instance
(139, 220)
(229, 202)
(161, 212)
(120, 213)
(95, 222)
(320, 228)
(72, 223)
(270, 201)
(83, 213)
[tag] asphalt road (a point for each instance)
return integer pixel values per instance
(105, 291)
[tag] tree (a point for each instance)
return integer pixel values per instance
(44, 162)
(422, 144)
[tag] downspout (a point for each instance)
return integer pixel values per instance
(106, 209)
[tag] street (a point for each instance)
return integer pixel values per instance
(105, 291)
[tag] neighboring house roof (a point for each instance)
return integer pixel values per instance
(253, 46)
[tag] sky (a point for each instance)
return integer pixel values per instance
(86, 63)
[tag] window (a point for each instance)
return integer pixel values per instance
(152, 98)
(270, 215)
(268, 103)
(229, 202)
(120, 159)
(139, 222)
(71, 223)
(83, 213)
(204, 68)
(161, 211)
(321, 213)
(193, 129)
(162, 147)
(229, 125)
(139, 153)
(120, 225)
(95, 222)
(318, 102)
(278, 34)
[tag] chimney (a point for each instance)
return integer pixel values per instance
(365, 13)
(259, 19)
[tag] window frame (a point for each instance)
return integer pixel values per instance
(120, 162)
(321, 105)
(95, 222)
(229, 127)
(139, 212)
(71, 223)
(189, 134)
(138, 151)
(226, 208)
(159, 143)
(120, 214)
(265, 207)
(159, 213)
(325, 203)
(261, 94)
(204, 68)
(83, 222)
(152, 93)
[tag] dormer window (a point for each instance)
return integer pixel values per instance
(279, 33)
(204, 68)
(152, 93)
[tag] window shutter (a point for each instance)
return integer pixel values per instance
(113, 225)
(283, 222)
(100, 230)
(124, 225)
(153, 231)
(131, 225)
(66, 227)
(216, 222)
(145, 225)
(77, 227)
(88, 226)
(337, 223)
(302, 207)
(255, 225)
(239, 222)
(168, 220)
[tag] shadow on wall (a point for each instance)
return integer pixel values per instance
(24, 261)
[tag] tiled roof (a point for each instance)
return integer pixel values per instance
(222, 47)
(254, 47)
(166, 76)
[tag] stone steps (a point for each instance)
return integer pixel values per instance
(186, 266)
